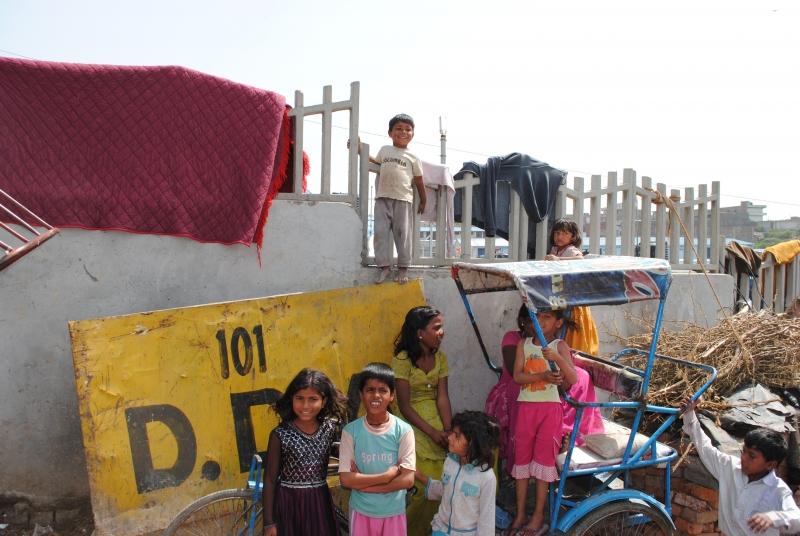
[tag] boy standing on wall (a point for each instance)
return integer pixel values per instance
(394, 199)
(752, 498)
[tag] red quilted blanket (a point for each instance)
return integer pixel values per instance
(163, 150)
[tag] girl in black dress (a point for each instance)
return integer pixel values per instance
(296, 497)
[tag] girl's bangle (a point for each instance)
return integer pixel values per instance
(269, 525)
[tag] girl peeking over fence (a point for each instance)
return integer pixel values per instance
(565, 242)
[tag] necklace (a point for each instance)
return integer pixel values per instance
(378, 425)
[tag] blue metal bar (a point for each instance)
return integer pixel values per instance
(651, 356)
(471, 315)
(555, 505)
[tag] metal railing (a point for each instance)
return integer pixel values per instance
(22, 238)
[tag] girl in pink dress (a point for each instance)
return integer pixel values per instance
(502, 400)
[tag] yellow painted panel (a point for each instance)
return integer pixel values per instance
(174, 403)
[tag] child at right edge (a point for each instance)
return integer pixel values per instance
(400, 170)
(752, 498)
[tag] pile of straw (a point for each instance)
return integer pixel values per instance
(745, 348)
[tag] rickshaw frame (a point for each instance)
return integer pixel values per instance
(595, 280)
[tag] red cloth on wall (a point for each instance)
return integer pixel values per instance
(163, 150)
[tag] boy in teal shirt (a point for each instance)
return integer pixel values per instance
(377, 459)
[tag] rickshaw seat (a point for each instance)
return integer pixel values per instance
(606, 448)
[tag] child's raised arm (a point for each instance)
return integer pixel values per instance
(713, 459)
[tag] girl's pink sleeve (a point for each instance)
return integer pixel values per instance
(571, 252)
(511, 338)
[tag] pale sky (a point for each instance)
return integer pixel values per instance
(685, 92)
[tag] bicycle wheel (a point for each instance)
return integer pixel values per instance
(626, 518)
(222, 513)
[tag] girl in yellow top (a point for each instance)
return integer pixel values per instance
(420, 370)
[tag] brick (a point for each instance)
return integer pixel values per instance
(63, 517)
(704, 518)
(653, 483)
(711, 496)
(42, 517)
(685, 527)
(676, 510)
(19, 515)
(695, 472)
(709, 527)
(690, 502)
(679, 485)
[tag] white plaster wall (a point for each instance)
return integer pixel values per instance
(88, 274)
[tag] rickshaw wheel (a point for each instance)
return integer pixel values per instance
(222, 513)
(624, 518)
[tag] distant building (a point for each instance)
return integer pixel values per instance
(740, 222)
(792, 224)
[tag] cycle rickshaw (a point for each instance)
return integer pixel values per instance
(611, 505)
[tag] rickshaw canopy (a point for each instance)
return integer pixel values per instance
(550, 285)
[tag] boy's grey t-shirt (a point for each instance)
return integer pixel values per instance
(398, 169)
(374, 450)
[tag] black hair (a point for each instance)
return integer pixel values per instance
(408, 340)
(400, 118)
(483, 435)
(335, 402)
(376, 371)
(521, 315)
(569, 226)
(768, 442)
(569, 323)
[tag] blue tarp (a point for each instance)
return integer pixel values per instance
(547, 285)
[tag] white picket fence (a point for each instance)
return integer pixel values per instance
(626, 217)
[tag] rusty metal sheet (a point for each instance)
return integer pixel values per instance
(174, 403)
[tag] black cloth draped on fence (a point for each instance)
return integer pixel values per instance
(535, 182)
